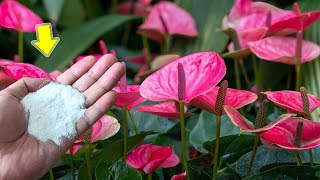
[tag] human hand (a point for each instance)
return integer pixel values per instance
(22, 156)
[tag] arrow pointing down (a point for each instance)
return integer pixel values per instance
(45, 42)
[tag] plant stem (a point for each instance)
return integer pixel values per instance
(126, 35)
(257, 76)
(147, 50)
(136, 131)
(183, 140)
(51, 174)
(253, 154)
(311, 157)
(88, 160)
(244, 72)
(150, 176)
(237, 74)
(113, 6)
(216, 150)
(298, 76)
(298, 158)
(20, 46)
(125, 132)
(71, 163)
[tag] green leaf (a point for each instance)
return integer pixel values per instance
(53, 8)
(289, 172)
(208, 14)
(83, 172)
(265, 156)
(101, 172)
(73, 13)
(114, 151)
(205, 129)
(75, 40)
(231, 147)
(121, 171)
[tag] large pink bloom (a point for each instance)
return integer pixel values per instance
(199, 73)
(147, 158)
(166, 109)
(234, 98)
(16, 16)
(129, 98)
(283, 134)
(246, 126)
(283, 50)
(166, 18)
(295, 23)
(5, 79)
(21, 70)
(292, 100)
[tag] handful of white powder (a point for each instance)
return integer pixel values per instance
(53, 112)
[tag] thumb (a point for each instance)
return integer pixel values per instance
(25, 85)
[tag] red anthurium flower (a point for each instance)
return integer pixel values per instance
(103, 49)
(166, 18)
(16, 16)
(185, 78)
(234, 98)
(247, 126)
(181, 176)
(129, 98)
(295, 23)
(21, 70)
(283, 50)
(284, 134)
(147, 158)
(166, 109)
(292, 100)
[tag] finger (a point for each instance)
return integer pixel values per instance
(76, 71)
(96, 71)
(105, 83)
(25, 85)
(96, 111)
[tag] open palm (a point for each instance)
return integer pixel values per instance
(24, 157)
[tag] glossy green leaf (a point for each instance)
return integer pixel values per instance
(101, 172)
(75, 40)
(73, 13)
(289, 172)
(231, 147)
(121, 171)
(205, 129)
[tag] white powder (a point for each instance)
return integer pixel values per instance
(53, 112)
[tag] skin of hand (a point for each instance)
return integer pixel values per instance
(24, 157)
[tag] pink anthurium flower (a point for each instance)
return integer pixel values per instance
(185, 78)
(5, 79)
(166, 18)
(139, 8)
(147, 158)
(284, 135)
(165, 109)
(292, 100)
(129, 98)
(181, 176)
(295, 23)
(246, 126)
(140, 59)
(14, 15)
(104, 50)
(21, 70)
(104, 128)
(283, 50)
(234, 98)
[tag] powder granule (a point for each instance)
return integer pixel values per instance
(53, 112)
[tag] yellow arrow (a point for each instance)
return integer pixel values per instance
(45, 42)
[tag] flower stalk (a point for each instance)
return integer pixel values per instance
(183, 140)
(125, 132)
(219, 110)
(150, 176)
(298, 140)
(20, 46)
(71, 163)
(253, 154)
(51, 174)
(135, 127)
(86, 139)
